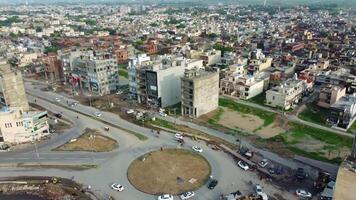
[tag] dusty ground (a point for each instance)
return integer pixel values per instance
(270, 131)
(169, 171)
(246, 122)
(100, 143)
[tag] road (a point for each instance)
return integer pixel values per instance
(112, 166)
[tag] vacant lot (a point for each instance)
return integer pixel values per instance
(315, 114)
(170, 171)
(90, 140)
(233, 119)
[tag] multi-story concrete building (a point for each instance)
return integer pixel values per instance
(98, 73)
(200, 92)
(156, 82)
(17, 126)
(25, 59)
(285, 95)
(12, 88)
(258, 62)
(211, 57)
(343, 112)
(121, 56)
(329, 94)
(53, 68)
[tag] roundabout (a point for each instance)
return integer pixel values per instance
(172, 171)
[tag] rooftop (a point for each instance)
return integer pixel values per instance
(345, 181)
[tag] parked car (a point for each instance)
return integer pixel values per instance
(119, 92)
(130, 111)
(57, 99)
(165, 197)
(178, 136)
(212, 184)
(300, 174)
(263, 163)
(117, 187)
(258, 189)
(97, 114)
(243, 165)
(303, 193)
(58, 115)
(197, 149)
(187, 195)
(163, 114)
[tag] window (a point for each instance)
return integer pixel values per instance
(272, 97)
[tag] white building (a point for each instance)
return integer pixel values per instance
(287, 94)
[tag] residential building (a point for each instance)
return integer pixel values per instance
(343, 112)
(156, 82)
(329, 94)
(12, 88)
(121, 56)
(53, 68)
(285, 95)
(211, 57)
(200, 92)
(17, 126)
(258, 62)
(99, 73)
(25, 59)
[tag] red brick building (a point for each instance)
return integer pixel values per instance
(53, 68)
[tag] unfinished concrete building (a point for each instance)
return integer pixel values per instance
(200, 92)
(12, 88)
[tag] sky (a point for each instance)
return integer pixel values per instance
(349, 2)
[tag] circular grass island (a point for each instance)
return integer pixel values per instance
(171, 171)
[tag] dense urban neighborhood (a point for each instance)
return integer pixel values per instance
(177, 100)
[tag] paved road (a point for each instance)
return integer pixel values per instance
(112, 166)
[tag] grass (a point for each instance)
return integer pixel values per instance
(268, 117)
(352, 127)
(99, 143)
(259, 99)
(298, 133)
(175, 109)
(318, 117)
(164, 124)
(123, 73)
(157, 172)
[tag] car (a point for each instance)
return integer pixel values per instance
(258, 189)
(243, 165)
(163, 114)
(57, 99)
(303, 193)
(178, 136)
(197, 149)
(263, 163)
(117, 187)
(187, 195)
(212, 184)
(130, 111)
(119, 92)
(97, 114)
(300, 174)
(165, 197)
(58, 115)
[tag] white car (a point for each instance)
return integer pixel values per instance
(243, 165)
(178, 136)
(263, 163)
(130, 111)
(165, 197)
(197, 149)
(117, 187)
(258, 189)
(57, 99)
(303, 193)
(163, 114)
(119, 92)
(97, 114)
(187, 195)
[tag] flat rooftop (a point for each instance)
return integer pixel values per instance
(345, 182)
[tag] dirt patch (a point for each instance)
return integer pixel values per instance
(170, 171)
(246, 122)
(90, 140)
(270, 131)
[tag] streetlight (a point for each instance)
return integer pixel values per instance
(36, 149)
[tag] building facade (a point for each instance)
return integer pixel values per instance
(12, 88)
(200, 92)
(330, 94)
